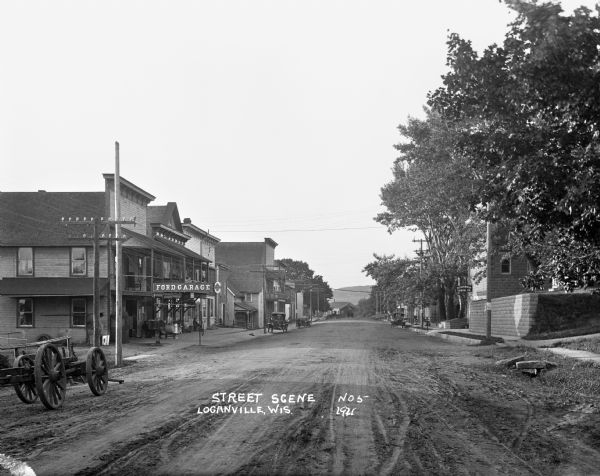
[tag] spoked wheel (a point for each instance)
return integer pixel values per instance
(50, 376)
(96, 371)
(25, 390)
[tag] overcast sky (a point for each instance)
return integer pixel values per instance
(259, 118)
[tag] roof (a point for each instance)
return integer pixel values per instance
(189, 227)
(247, 282)
(340, 304)
(146, 242)
(167, 215)
(126, 183)
(35, 218)
(181, 249)
(30, 287)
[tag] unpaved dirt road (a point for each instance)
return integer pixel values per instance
(413, 405)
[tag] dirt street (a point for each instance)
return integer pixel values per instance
(360, 398)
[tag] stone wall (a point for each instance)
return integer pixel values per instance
(511, 315)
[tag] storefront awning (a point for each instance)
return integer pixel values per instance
(31, 287)
(242, 306)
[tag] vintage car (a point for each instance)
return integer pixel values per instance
(277, 321)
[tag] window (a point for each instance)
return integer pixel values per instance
(78, 262)
(505, 266)
(25, 262)
(276, 286)
(78, 311)
(166, 267)
(204, 271)
(157, 266)
(25, 312)
(248, 297)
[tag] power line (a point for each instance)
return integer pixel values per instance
(298, 230)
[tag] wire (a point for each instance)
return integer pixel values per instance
(298, 230)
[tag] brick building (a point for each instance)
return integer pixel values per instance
(260, 284)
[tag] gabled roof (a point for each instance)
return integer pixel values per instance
(34, 218)
(167, 215)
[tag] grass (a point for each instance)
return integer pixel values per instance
(571, 382)
(589, 345)
(579, 331)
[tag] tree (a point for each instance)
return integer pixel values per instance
(431, 192)
(397, 282)
(315, 289)
(524, 115)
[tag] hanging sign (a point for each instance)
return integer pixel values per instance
(191, 287)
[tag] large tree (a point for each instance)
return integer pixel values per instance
(431, 192)
(315, 289)
(524, 115)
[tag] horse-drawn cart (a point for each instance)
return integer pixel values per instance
(44, 372)
(304, 321)
(277, 321)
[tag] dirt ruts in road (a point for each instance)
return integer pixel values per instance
(382, 403)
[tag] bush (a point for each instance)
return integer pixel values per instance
(559, 312)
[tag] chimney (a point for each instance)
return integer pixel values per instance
(187, 221)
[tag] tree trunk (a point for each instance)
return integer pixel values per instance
(442, 304)
(450, 291)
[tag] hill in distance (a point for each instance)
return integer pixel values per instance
(352, 294)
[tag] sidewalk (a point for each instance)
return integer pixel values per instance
(512, 341)
(217, 337)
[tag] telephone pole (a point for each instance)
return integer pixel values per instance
(96, 223)
(420, 253)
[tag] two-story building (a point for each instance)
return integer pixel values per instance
(260, 284)
(47, 264)
(203, 243)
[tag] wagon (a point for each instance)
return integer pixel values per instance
(398, 320)
(44, 373)
(303, 321)
(277, 321)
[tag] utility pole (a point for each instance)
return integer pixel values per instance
(118, 306)
(420, 252)
(488, 290)
(96, 223)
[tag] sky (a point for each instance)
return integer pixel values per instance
(259, 118)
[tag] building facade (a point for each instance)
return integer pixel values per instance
(57, 268)
(260, 284)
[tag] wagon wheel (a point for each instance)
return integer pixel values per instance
(50, 376)
(96, 371)
(25, 390)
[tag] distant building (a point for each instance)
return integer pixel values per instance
(260, 284)
(342, 309)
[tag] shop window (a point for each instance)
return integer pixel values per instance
(78, 311)
(166, 266)
(177, 269)
(78, 262)
(505, 266)
(157, 266)
(25, 312)
(25, 262)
